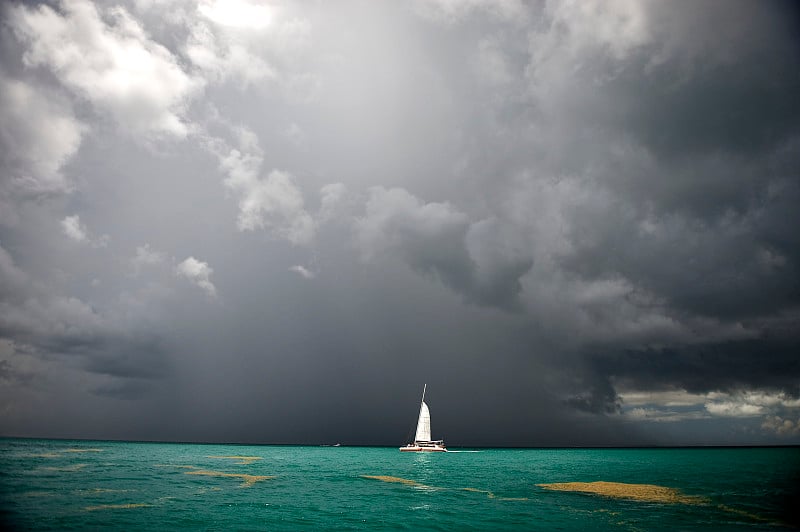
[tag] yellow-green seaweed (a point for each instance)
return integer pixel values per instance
(398, 480)
(620, 490)
(415, 484)
(105, 490)
(69, 468)
(248, 480)
(644, 493)
(116, 506)
(244, 460)
(83, 450)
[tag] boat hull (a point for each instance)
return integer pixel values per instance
(423, 449)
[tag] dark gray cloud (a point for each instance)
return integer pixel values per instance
(600, 398)
(575, 221)
(764, 363)
(474, 259)
(730, 266)
(38, 322)
(127, 390)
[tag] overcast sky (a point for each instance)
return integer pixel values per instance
(576, 221)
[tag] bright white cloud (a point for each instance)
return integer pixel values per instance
(76, 230)
(663, 398)
(73, 228)
(734, 409)
(237, 13)
(146, 256)
(750, 403)
(395, 219)
(721, 403)
(273, 202)
(679, 405)
(110, 61)
(659, 415)
(199, 273)
(781, 426)
(38, 134)
(302, 271)
(220, 56)
(247, 43)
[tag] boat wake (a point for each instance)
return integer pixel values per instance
(449, 451)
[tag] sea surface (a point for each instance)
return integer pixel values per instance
(62, 485)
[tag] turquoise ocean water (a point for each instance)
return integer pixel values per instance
(60, 485)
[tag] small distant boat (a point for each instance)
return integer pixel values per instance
(422, 439)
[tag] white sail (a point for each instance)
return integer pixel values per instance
(424, 424)
(422, 439)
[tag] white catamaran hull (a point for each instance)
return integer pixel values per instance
(411, 448)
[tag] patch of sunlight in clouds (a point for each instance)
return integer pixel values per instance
(237, 13)
(680, 405)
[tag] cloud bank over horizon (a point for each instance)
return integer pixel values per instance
(271, 222)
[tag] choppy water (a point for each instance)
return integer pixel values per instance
(56, 484)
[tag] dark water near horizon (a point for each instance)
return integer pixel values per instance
(61, 485)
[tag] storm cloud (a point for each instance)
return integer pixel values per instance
(273, 222)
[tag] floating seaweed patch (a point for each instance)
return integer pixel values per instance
(105, 490)
(415, 484)
(398, 480)
(645, 493)
(244, 460)
(83, 450)
(67, 469)
(746, 514)
(116, 506)
(619, 490)
(206, 489)
(176, 466)
(247, 480)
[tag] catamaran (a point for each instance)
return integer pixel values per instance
(422, 439)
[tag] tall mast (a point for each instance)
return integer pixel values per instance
(423, 392)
